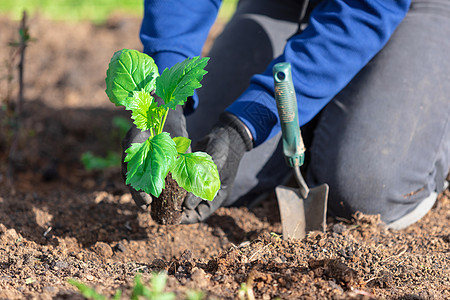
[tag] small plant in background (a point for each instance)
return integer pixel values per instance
(246, 292)
(13, 107)
(112, 159)
(91, 293)
(153, 292)
(16, 60)
(194, 295)
(94, 162)
(156, 289)
(122, 124)
(21, 45)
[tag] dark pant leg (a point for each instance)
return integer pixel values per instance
(254, 36)
(383, 144)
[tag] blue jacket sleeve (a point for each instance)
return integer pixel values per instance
(173, 30)
(341, 38)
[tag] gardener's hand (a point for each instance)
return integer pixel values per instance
(227, 143)
(175, 125)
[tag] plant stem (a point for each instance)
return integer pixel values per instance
(23, 45)
(163, 121)
(24, 38)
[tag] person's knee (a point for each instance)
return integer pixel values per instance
(370, 186)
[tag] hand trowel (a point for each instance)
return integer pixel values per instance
(303, 209)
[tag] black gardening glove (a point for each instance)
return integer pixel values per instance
(227, 143)
(175, 125)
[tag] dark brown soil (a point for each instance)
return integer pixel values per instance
(166, 209)
(59, 221)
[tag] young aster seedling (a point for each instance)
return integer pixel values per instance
(131, 78)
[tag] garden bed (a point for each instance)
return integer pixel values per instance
(59, 221)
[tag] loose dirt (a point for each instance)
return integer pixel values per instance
(59, 221)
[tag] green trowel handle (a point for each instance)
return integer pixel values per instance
(293, 147)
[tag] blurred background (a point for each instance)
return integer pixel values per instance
(69, 46)
(94, 10)
(52, 66)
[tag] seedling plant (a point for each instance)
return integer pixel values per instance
(139, 290)
(132, 80)
(13, 109)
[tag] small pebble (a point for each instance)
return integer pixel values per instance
(244, 244)
(278, 260)
(11, 234)
(335, 286)
(89, 277)
(120, 247)
(158, 263)
(339, 228)
(103, 249)
(49, 289)
(200, 279)
(60, 265)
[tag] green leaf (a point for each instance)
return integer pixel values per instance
(158, 282)
(182, 143)
(194, 295)
(149, 163)
(145, 111)
(156, 292)
(179, 82)
(93, 162)
(122, 124)
(197, 173)
(129, 71)
(86, 291)
(139, 288)
(117, 295)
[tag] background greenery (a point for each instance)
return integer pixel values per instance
(93, 10)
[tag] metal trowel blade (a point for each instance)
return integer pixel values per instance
(315, 207)
(292, 212)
